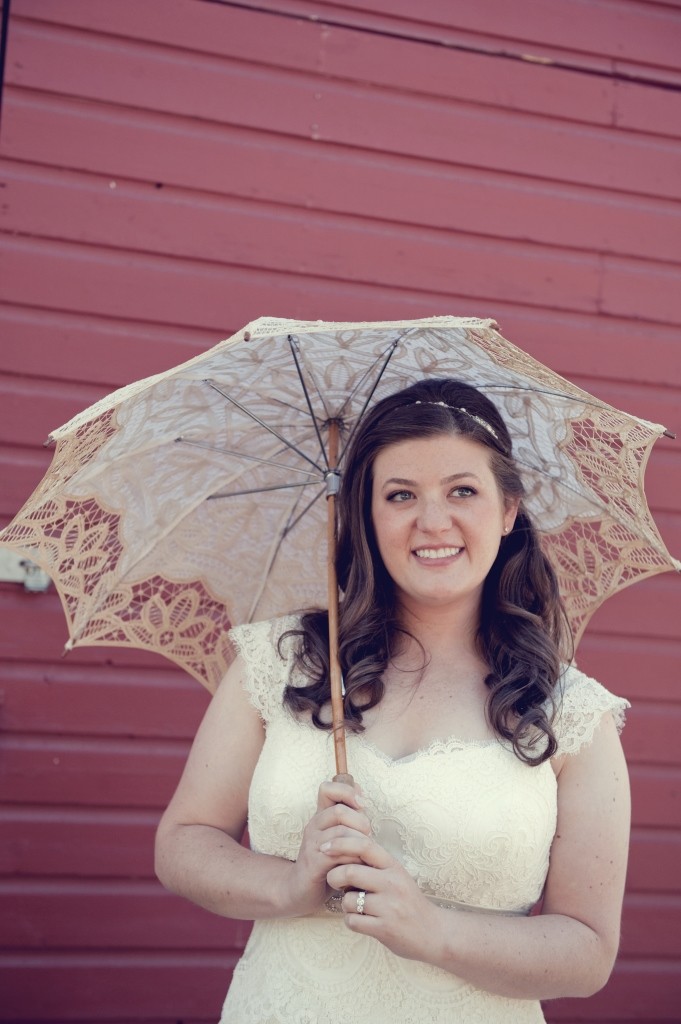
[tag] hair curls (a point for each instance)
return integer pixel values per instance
(523, 634)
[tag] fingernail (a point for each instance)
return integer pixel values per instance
(325, 847)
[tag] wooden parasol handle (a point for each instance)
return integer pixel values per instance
(337, 711)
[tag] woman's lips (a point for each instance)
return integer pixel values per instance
(436, 554)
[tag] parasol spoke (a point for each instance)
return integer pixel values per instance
(289, 527)
(390, 352)
(293, 344)
(260, 490)
(583, 398)
(280, 535)
(265, 426)
(248, 458)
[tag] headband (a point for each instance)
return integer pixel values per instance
(458, 408)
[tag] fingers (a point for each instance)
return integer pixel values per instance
(357, 847)
(351, 875)
(342, 815)
(331, 793)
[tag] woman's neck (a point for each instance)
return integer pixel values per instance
(440, 634)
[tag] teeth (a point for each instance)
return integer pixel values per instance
(437, 552)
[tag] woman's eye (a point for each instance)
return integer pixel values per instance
(400, 496)
(463, 492)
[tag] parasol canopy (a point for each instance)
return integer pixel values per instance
(194, 500)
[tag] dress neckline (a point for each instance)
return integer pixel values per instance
(434, 746)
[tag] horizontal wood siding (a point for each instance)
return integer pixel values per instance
(169, 170)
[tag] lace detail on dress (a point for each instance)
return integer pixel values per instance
(267, 671)
(584, 702)
(470, 822)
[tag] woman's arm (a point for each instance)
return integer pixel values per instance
(198, 850)
(567, 950)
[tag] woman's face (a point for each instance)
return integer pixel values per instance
(438, 518)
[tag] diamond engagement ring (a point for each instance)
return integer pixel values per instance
(361, 896)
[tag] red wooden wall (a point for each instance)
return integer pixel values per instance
(170, 169)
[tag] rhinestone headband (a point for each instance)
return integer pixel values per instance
(459, 408)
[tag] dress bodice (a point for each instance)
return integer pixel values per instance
(470, 822)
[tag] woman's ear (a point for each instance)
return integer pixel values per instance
(510, 513)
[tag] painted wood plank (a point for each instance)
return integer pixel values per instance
(652, 733)
(271, 40)
(99, 702)
(647, 608)
(622, 31)
(102, 701)
(76, 842)
(653, 860)
(639, 991)
(69, 346)
(629, 32)
(88, 842)
(67, 987)
(99, 773)
(186, 292)
(656, 796)
(251, 237)
(204, 31)
(124, 915)
(262, 98)
(89, 350)
(88, 211)
(642, 668)
(22, 469)
(224, 160)
(650, 926)
(132, 914)
(75, 987)
(126, 773)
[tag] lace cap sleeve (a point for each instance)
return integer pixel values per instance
(584, 702)
(267, 670)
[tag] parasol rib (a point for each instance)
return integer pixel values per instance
(293, 344)
(290, 525)
(280, 534)
(262, 490)
(261, 423)
(368, 398)
(248, 458)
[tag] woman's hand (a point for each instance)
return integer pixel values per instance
(339, 815)
(395, 910)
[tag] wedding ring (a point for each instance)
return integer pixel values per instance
(361, 896)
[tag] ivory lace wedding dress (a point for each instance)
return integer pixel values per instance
(468, 820)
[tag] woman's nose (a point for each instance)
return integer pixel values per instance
(434, 514)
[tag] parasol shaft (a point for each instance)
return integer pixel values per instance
(337, 710)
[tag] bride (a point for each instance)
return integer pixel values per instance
(476, 867)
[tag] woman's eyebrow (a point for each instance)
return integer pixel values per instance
(445, 480)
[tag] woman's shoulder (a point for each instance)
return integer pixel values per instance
(581, 702)
(268, 656)
(260, 639)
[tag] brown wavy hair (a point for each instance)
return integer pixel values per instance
(523, 635)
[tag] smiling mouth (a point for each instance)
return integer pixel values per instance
(437, 552)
